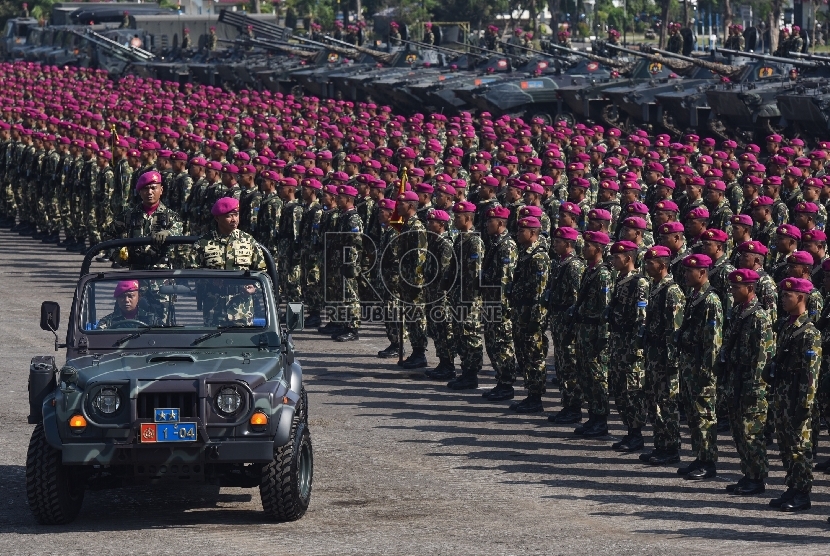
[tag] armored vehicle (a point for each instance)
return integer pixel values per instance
(170, 376)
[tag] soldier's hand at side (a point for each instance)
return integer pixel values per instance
(160, 237)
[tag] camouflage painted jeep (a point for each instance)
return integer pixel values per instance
(170, 375)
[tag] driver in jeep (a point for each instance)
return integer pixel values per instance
(127, 307)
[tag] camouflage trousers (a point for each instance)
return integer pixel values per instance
(794, 443)
(93, 224)
(30, 195)
(291, 276)
(415, 319)
(343, 304)
(466, 319)
(63, 210)
(19, 199)
(698, 391)
(821, 407)
(564, 356)
(499, 334)
(593, 367)
(9, 206)
(77, 221)
(312, 286)
(392, 320)
(626, 378)
(439, 327)
(662, 389)
(747, 417)
(531, 350)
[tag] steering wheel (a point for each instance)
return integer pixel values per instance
(130, 323)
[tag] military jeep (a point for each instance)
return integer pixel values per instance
(170, 376)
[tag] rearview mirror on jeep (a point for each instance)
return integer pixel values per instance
(50, 316)
(294, 317)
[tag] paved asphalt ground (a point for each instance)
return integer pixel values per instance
(402, 466)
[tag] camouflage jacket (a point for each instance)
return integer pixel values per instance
(387, 279)
(268, 220)
(527, 292)
(365, 207)
(440, 251)
(594, 296)
(797, 362)
(89, 177)
(134, 222)
(463, 276)
(236, 251)
(497, 271)
(701, 334)
(103, 188)
(288, 236)
(719, 279)
(747, 348)
(193, 204)
(664, 316)
(328, 223)
(720, 217)
(112, 320)
(513, 219)
(50, 172)
(766, 291)
(347, 244)
(480, 216)
(565, 277)
(179, 191)
(413, 252)
(310, 229)
(627, 310)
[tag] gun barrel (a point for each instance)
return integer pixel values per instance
(594, 57)
(753, 55)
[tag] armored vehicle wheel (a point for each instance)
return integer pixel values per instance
(285, 486)
(566, 117)
(302, 406)
(54, 491)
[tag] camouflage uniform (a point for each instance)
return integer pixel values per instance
(387, 281)
(193, 208)
(289, 252)
(698, 341)
(331, 285)
(270, 210)
(75, 221)
(345, 247)
(113, 319)
(664, 316)
(529, 313)
(179, 191)
(497, 275)
(47, 209)
(311, 256)
(99, 214)
(250, 203)
(413, 252)
(626, 314)
(565, 276)
(797, 361)
(135, 222)
(595, 293)
(465, 299)
(439, 327)
(220, 303)
(83, 192)
(748, 346)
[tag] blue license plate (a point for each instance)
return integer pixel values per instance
(175, 432)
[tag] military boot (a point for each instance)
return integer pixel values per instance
(444, 371)
(531, 404)
(567, 416)
(390, 352)
(783, 499)
(599, 428)
(664, 457)
(66, 242)
(706, 470)
(632, 442)
(348, 335)
(689, 468)
(416, 360)
(741, 482)
(467, 381)
(329, 328)
(81, 247)
(580, 429)
(19, 226)
(501, 392)
(799, 502)
(751, 487)
(313, 320)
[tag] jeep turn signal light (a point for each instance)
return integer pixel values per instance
(259, 419)
(77, 423)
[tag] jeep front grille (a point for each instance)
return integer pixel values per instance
(184, 401)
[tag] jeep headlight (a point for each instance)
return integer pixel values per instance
(107, 401)
(228, 400)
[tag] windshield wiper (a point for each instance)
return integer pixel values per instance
(218, 332)
(132, 336)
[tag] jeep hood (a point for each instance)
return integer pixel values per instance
(252, 368)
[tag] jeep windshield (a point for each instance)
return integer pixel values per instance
(135, 306)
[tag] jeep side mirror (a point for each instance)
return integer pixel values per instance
(294, 317)
(50, 316)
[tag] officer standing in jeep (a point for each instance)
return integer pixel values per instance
(149, 219)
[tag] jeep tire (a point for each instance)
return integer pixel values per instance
(54, 491)
(285, 485)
